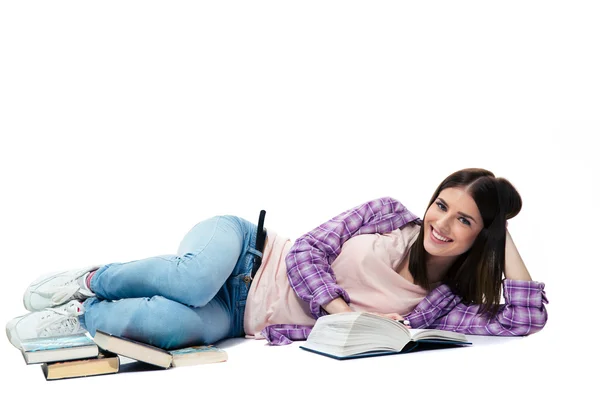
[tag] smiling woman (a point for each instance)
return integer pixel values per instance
(456, 259)
(448, 231)
(463, 238)
(444, 272)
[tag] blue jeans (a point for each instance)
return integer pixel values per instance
(195, 297)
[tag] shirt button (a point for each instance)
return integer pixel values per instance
(247, 279)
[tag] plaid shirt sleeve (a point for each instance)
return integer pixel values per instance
(522, 314)
(309, 259)
(282, 334)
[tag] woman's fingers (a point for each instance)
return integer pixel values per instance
(398, 317)
(395, 317)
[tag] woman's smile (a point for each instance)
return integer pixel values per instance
(438, 238)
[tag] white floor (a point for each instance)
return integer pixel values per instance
(122, 124)
(493, 368)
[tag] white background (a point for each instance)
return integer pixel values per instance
(124, 123)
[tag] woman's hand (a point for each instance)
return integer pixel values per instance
(394, 316)
(338, 305)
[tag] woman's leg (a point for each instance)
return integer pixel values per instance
(210, 273)
(159, 321)
(164, 319)
(206, 258)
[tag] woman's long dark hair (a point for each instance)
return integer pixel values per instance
(476, 275)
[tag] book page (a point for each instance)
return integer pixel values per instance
(438, 334)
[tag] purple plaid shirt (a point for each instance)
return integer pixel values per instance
(312, 278)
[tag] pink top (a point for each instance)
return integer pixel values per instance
(366, 268)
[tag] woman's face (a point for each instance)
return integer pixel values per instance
(451, 223)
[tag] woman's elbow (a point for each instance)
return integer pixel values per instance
(525, 321)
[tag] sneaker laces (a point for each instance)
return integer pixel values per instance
(60, 321)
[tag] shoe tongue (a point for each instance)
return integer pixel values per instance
(83, 287)
(81, 281)
(74, 308)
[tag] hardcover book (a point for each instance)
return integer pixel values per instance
(156, 356)
(196, 355)
(105, 363)
(360, 334)
(133, 349)
(58, 348)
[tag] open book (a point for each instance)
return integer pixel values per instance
(360, 334)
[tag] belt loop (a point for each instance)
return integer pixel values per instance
(255, 252)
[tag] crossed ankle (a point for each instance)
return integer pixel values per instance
(88, 280)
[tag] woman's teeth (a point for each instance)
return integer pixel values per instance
(438, 237)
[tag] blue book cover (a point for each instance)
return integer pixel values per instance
(195, 349)
(58, 348)
(194, 355)
(57, 342)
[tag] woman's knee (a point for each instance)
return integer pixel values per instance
(170, 325)
(194, 296)
(161, 322)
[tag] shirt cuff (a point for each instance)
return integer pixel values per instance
(524, 293)
(282, 334)
(324, 296)
(431, 306)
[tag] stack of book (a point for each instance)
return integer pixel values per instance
(81, 355)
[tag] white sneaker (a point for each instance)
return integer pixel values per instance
(57, 321)
(57, 288)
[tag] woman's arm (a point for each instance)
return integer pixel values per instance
(309, 260)
(336, 306)
(514, 267)
(522, 314)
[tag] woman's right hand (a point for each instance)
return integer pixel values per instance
(338, 305)
(394, 316)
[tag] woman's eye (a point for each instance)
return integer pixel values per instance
(441, 206)
(464, 221)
